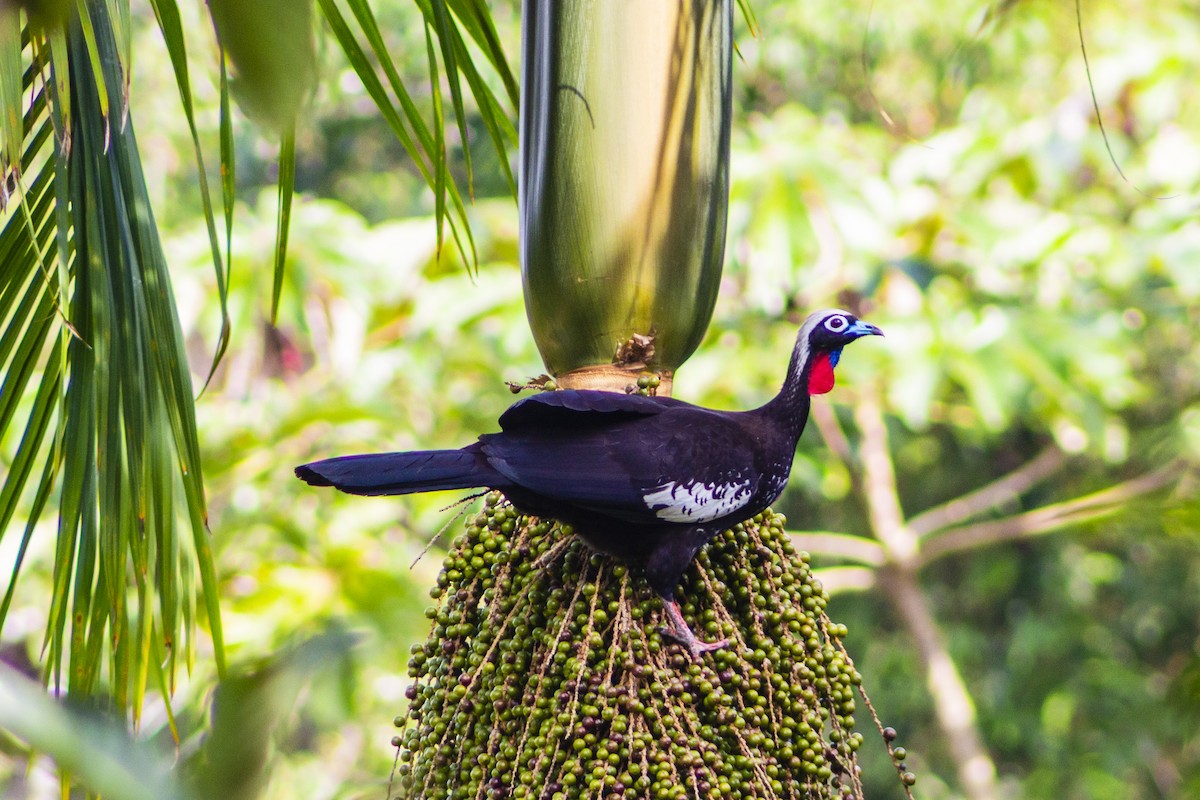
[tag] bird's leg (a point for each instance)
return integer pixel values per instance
(680, 632)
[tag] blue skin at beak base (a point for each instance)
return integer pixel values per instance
(861, 328)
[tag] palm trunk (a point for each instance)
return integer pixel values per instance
(624, 182)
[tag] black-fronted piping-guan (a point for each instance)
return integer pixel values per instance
(647, 479)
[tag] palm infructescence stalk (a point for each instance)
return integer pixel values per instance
(545, 674)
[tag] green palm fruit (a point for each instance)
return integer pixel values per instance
(546, 675)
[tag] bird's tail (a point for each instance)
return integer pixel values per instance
(402, 473)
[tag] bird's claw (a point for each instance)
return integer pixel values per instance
(694, 646)
(680, 632)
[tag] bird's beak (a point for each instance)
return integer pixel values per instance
(861, 328)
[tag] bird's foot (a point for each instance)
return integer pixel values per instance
(680, 632)
(697, 648)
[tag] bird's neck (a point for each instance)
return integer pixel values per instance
(789, 408)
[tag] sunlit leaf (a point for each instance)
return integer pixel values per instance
(112, 414)
(476, 19)
(283, 218)
(439, 150)
(228, 165)
(167, 14)
(87, 28)
(11, 89)
(459, 225)
(438, 16)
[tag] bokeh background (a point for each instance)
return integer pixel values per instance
(940, 166)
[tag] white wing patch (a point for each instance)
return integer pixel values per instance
(695, 501)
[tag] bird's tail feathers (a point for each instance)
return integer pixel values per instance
(401, 473)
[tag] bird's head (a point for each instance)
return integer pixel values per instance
(820, 341)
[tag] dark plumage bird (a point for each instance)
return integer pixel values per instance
(647, 479)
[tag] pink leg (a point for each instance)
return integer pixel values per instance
(681, 633)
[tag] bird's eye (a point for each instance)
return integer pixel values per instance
(837, 323)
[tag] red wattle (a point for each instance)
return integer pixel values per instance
(820, 375)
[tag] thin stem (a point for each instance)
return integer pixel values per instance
(846, 579)
(841, 545)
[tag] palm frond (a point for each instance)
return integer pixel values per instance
(169, 23)
(11, 88)
(97, 415)
(106, 384)
(425, 143)
(283, 214)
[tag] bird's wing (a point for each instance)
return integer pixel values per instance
(711, 468)
(687, 466)
(581, 407)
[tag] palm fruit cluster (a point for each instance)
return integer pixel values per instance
(646, 385)
(546, 675)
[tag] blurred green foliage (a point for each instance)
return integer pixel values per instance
(939, 164)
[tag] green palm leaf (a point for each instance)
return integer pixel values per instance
(129, 442)
(167, 14)
(96, 397)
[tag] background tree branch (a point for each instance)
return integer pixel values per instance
(952, 701)
(846, 579)
(1002, 490)
(953, 705)
(841, 545)
(1047, 518)
(880, 494)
